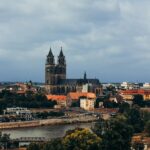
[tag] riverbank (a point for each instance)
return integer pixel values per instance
(45, 122)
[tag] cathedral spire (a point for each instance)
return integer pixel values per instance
(61, 58)
(50, 58)
(50, 54)
(85, 76)
(61, 52)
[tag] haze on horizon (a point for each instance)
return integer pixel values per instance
(109, 39)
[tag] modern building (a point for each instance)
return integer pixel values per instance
(56, 81)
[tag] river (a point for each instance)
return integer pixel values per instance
(52, 131)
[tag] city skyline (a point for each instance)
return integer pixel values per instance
(109, 39)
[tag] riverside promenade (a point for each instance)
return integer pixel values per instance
(45, 122)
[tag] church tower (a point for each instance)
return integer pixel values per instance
(61, 66)
(50, 72)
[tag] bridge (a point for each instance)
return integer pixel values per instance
(31, 139)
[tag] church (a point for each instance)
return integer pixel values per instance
(57, 83)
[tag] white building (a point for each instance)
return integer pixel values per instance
(19, 111)
(88, 101)
(146, 85)
(130, 86)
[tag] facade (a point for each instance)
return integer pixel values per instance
(129, 94)
(88, 101)
(146, 86)
(74, 97)
(128, 85)
(19, 111)
(60, 99)
(57, 83)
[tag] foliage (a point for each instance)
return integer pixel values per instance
(4, 140)
(116, 133)
(145, 115)
(110, 104)
(55, 144)
(138, 100)
(124, 108)
(113, 134)
(80, 139)
(135, 120)
(112, 89)
(147, 128)
(34, 146)
(44, 115)
(76, 104)
(29, 100)
(98, 100)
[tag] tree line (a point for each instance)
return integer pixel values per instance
(29, 100)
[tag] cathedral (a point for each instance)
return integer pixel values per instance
(57, 83)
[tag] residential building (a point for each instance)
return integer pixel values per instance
(60, 99)
(129, 94)
(146, 86)
(128, 85)
(87, 104)
(73, 97)
(19, 111)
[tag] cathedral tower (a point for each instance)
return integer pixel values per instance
(50, 72)
(61, 66)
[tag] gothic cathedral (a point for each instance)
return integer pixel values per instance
(55, 78)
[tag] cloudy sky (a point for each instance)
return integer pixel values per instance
(110, 39)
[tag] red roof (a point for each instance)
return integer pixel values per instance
(133, 92)
(56, 97)
(77, 95)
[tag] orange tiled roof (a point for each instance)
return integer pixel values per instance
(76, 95)
(132, 92)
(56, 97)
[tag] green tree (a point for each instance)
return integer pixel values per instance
(147, 128)
(145, 115)
(34, 146)
(4, 140)
(135, 119)
(81, 139)
(124, 107)
(138, 100)
(55, 144)
(116, 133)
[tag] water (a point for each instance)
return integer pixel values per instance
(45, 131)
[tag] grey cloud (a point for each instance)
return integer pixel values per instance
(108, 38)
